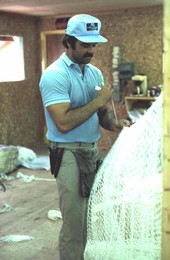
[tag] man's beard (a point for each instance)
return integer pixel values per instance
(86, 58)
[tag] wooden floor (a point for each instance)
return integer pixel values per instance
(31, 203)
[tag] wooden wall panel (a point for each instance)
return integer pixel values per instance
(20, 101)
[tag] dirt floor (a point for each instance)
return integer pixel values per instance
(30, 204)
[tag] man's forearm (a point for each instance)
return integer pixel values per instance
(107, 119)
(75, 117)
(109, 122)
(66, 118)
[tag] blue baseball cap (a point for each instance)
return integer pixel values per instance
(85, 28)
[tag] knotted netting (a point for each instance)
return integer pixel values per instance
(125, 205)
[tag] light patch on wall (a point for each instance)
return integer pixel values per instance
(11, 58)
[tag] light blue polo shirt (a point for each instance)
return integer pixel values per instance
(63, 82)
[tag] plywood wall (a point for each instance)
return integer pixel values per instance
(138, 33)
(20, 101)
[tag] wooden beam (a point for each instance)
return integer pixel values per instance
(166, 135)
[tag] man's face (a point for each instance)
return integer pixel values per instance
(83, 52)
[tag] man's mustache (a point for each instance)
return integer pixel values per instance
(88, 55)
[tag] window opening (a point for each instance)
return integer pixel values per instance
(11, 58)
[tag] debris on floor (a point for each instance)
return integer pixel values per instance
(40, 162)
(5, 208)
(15, 238)
(26, 178)
(54, 214)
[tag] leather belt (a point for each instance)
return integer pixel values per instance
(72, 145)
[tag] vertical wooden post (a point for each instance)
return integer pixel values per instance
(43, 51)
(166, 136)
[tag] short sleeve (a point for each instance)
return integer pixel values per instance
(54, 87)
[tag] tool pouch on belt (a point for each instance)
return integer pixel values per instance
(88, 162)
(55, 155)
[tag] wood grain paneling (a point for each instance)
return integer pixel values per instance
(20, 101)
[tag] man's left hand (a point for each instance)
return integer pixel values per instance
(122, 123)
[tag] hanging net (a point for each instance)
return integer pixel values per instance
(125, 205)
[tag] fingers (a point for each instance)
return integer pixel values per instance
(105, 93)
(126, 123)
(109, 88)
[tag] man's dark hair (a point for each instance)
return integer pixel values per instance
(69, 39)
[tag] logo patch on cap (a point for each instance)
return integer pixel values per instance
(92, 26)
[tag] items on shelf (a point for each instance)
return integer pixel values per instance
(116, 58)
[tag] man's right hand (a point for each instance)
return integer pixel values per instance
(105, 94)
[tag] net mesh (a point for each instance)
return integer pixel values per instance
(125, 205)
(8, 158)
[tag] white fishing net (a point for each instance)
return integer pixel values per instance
(125, 205)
